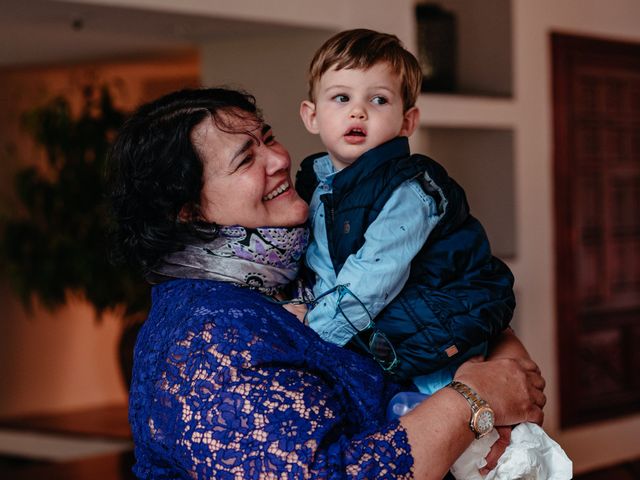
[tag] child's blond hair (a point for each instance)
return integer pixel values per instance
(362, 49)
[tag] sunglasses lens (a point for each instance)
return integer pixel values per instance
(381, 348)
(379, 345)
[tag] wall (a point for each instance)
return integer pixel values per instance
(63, 360)
(274, 70)
(600, 443)
(57, 361)
(274, 67)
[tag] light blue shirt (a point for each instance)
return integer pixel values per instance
(378, 271)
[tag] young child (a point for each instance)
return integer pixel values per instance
(392, 227)
(401, 269)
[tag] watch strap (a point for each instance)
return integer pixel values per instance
(478, 407)
(470, 395)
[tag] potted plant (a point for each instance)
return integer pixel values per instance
(56, 241)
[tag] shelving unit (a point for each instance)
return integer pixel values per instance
(462, 111)
(484, 46)
(471, 130)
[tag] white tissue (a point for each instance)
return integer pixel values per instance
(468, 465)
(531, 455)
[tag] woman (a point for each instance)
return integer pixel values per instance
(227, 384)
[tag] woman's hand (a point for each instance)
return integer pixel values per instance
(507, 346)
(512, 386)
(438, 428)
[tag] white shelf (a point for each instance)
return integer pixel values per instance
(460, 111)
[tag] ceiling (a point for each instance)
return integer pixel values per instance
(35, 32)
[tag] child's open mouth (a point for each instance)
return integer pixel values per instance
(355, 135)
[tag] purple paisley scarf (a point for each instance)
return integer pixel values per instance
(266, 259)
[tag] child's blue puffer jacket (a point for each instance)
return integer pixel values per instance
(458, 294)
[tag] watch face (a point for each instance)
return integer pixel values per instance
(483, 421)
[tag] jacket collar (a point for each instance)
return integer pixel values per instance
(370, 161)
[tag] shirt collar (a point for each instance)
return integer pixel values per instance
(324, 169)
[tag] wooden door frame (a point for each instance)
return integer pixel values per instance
(566, 51)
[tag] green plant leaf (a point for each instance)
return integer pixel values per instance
(56, 241)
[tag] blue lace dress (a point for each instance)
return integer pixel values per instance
(228, 385)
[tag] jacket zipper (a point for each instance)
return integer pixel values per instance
(327, 201)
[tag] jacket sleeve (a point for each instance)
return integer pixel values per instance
(458, 296)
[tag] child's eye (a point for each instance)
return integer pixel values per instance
(341, 98)
(379, 100)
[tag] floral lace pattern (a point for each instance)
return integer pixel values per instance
(230, 386)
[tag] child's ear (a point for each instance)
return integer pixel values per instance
(410, 121)
(308, 115)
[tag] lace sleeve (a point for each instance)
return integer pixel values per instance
(225, 414)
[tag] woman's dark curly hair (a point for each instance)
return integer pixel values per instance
(154, 170)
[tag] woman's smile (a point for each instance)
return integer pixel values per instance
(277, 191)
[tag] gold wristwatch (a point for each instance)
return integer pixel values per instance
(482, 417)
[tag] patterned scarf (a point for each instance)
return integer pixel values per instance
(265, 259)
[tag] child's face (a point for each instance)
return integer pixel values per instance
(357, 110)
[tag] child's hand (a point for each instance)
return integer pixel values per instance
(497, 449)
(298, 309)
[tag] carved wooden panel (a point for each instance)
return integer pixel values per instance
(597, 205)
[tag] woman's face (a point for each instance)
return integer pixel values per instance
(246, 175)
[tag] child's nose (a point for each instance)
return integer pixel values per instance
(357, 112)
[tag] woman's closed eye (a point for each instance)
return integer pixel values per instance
(245, 161)
(269, 138)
